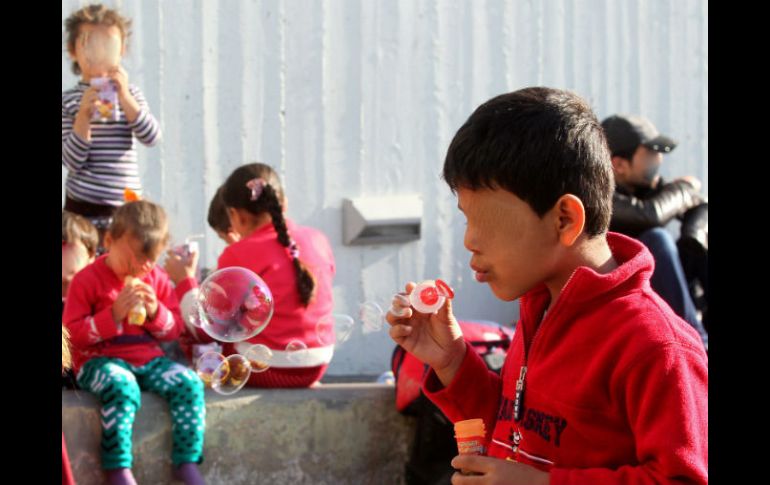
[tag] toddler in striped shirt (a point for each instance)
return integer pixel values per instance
(100, 152)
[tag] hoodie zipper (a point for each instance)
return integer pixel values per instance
(518, 400)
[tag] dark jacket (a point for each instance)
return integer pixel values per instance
(634, 213)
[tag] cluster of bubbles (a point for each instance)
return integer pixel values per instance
(234, 305)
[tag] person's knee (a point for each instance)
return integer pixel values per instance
(124, 385)
(190, 384)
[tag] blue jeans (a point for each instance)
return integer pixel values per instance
(668, 278)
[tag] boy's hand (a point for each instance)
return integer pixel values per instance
(88, 103)
(130, 106)
(434, 339)
(178, 268)
(119, 77)
(147, 295)
(127, 299)
(495, 471)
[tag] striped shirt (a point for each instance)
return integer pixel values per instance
(99, 170)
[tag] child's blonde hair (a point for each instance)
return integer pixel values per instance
(97, 15)
(76, 228)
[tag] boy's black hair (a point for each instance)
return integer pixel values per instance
(540, 144)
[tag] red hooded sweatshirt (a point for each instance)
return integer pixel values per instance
(615, 386)
(93, 332)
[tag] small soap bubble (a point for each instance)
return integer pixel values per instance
(296, 351)
(372, 317)
(231, 375)
(259, 357)
(209, 366)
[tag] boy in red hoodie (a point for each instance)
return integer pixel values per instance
(116, 355)
(604, 383)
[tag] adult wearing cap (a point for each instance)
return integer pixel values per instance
(643, 204)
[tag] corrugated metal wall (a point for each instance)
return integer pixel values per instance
(353, 98)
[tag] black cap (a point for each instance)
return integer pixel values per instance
(626, 132)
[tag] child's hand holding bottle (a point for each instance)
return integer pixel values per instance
(148, 298)
(182, 264)
(130, 105)
(128, 299)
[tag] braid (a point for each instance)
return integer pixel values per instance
(305, 280)
(276, 213)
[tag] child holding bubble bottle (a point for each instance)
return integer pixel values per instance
(296, 263)
(180, 265)
(603, 383)
(102, 117)
(118, 309)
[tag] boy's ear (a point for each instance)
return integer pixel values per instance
(620, 165)
(108, 240)
(571, 218)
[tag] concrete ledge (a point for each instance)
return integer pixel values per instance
(331, 434)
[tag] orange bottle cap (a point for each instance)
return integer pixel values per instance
(470, 427)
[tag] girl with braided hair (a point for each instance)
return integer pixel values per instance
(297, 264)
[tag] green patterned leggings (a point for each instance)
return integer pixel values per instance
(119, 384)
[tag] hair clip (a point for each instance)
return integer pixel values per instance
(255, 185)
(294, 250)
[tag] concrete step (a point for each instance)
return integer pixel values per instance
(331, 434)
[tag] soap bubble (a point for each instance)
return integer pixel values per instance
(209, 367)
(337, 327)
(324, 331)
(234, 304)
(296, 351)
(231, 375)
(194, 317)
(372, 317)
(343, 327)
(259, 357)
